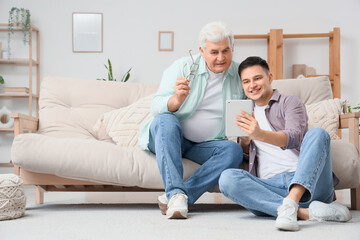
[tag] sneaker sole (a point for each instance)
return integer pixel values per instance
(287, 227)
(177, 215)
(163, 207)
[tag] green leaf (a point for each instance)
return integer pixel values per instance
(127, 77)
(2, 81)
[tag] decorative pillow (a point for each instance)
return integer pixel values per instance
(325, 114)
(123, 125)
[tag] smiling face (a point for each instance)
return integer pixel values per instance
(217, 55)
(257, 84)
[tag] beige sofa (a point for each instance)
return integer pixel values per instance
(72, 147)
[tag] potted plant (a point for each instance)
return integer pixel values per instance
(2, 81)
(110, 74)
(356, 109)
(19, 17)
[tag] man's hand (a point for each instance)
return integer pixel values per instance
(248, 124)
(182, 90)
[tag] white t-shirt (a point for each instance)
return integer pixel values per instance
(272, 160)
(205, 123)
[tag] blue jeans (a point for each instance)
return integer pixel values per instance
(169, 145)
(264, 196)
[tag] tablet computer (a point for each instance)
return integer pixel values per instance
(233, 108)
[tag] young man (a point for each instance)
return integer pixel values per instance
(188, 120)
(290, 174)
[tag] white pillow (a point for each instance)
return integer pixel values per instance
(123, 125)
(325, 114)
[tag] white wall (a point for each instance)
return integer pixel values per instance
(131, 37)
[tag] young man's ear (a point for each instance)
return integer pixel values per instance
(270, 78)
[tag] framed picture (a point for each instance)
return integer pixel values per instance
(166, 41)
(87, 32)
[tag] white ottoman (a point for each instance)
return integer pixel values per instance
(12, 197)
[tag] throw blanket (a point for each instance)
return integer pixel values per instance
(123, 125)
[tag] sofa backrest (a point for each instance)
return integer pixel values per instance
(70, 107)
(309, 90)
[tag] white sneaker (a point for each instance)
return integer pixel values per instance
(287, 216)
(177, 207)
(162, 202)
(319, 211)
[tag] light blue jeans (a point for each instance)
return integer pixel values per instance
(169, 145)
(264, 196)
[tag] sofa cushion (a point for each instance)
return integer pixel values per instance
(123, 125)
(70, 107)
(325, 114)
(108, 163)
(88, 159)
(309, 90)
(345, 163)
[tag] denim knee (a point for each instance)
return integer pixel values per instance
(320, 133)
(172, 123)
(229, 180)
(234, 154)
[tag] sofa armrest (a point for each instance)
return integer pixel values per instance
(351, 121)
(24, 123)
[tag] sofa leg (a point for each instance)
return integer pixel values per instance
(39, 195)
(355, 198)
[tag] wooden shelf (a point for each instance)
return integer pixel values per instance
(18, 61)
(6, 129)
(6, 165)
(16, 89)
(4, 28)
(17, 95)
(31, 61)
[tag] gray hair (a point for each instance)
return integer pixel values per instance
(215, 32)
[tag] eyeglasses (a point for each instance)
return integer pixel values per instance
(193, 68)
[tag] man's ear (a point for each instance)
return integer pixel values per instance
(270, 78)
(201, 51)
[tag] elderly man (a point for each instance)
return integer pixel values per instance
(188, 120)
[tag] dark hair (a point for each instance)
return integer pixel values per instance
(253, 61)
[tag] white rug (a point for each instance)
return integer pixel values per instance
(144, 221)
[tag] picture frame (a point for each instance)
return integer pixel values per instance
(166, 41)
(87, 32)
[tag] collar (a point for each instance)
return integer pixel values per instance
(275, 97)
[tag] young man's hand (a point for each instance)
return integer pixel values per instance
(248, 124)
